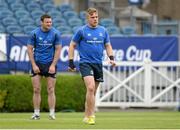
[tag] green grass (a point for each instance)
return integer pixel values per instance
(104, 120)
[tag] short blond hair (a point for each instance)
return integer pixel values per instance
(90, 11)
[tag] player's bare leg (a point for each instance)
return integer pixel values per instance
(90, 98)
(36, 96)
(51, 96)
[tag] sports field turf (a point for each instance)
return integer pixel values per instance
(104, 120)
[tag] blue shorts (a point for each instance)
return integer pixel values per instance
(44, 70)
(91, 69)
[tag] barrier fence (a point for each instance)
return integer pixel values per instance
(140, 84)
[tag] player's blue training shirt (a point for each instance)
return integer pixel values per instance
(44, 44)
(90, 43)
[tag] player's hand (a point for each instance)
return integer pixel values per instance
(71, 66)
(36, 69)
(52, 69)
(113, 63)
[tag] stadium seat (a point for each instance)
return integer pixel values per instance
(113, 30)
(59, 22)
(106, 22)
(82, 15)
(13, 1)
(2, 29)
(26, 21)
(75, 22)
(128, 30)
(47, 7)
(36, 14)
(28, 29)
(70, 14)
(42, 2)
(33, 6)
(3, 5)
(26, 1)
(9, 21)
(55, 14)
(17, 6)
(14, 29)
(37, 22)
(65, 30)
(6, 13)
(65, 7)
(75, 28)
(22, 13)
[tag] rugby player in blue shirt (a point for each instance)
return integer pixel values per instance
(90, 39)
(44, 48)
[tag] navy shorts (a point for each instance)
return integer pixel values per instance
(44, 70)
(91, 69)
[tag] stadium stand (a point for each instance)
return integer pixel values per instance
(128, 30)
(65, 7)
(113, 30)
(55, 14)
(14, 29)
(47, 7)
(75, 22)
(2, 29)
(27, 12)
(82, 15)
(26, 21)
(5, 13)
(27, 29)
(36, 14)
(59, 22)
(106, 22)
(9, 21)
(17, 6)
(65, 30)
(33, 6)
(21, 14)
(167, 27)
(70, 14)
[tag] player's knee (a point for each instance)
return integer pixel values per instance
(50, 90)
(91, 89)
(37, 90)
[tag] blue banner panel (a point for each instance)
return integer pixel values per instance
(124, 48)
(138, 48)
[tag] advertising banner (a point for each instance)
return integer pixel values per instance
(135, 48)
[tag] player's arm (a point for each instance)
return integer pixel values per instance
(55, 59)
(109, 51)
(72, 47)
(31, 58)
(56, 54)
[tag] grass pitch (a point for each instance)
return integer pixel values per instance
(104, 120)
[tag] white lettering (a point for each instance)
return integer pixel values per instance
(15, 53)
(24, 55)
(19, 54)
(134, 54)
(64, 54)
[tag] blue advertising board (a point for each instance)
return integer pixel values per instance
(135, 48)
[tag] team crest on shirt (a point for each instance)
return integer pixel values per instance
(40, 38)
(89, 34)
(100, 34)
(94, 38)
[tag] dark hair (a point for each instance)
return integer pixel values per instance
(45, 16)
